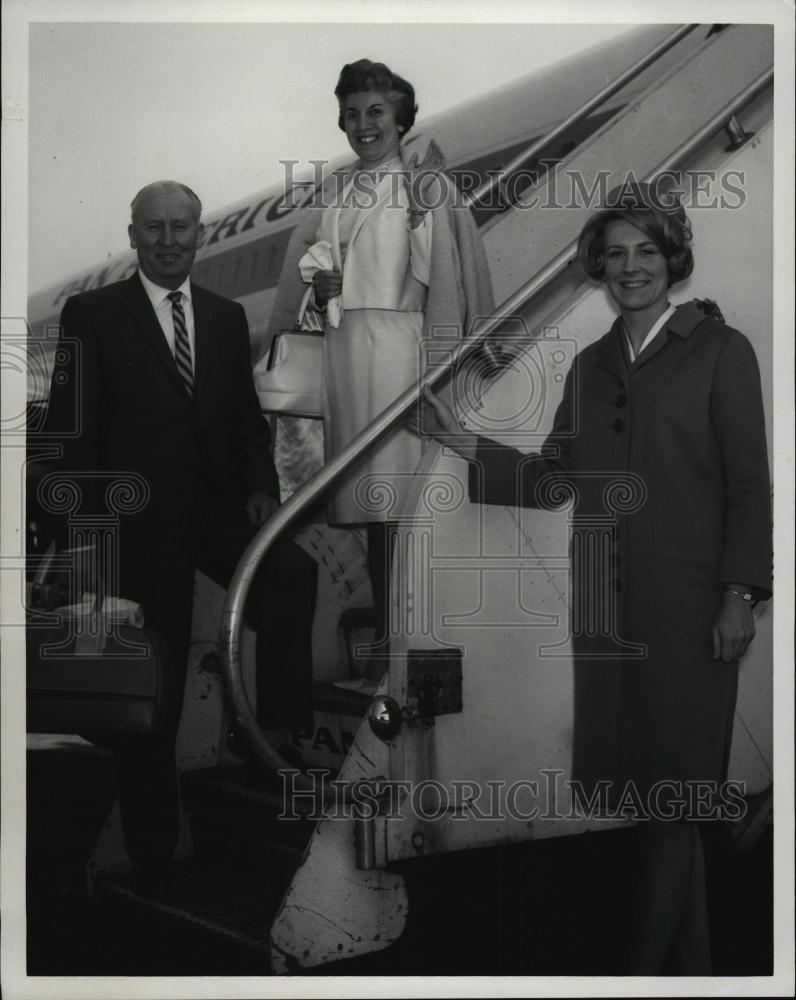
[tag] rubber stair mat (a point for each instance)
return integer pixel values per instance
(234, 784)
(226, 810)
(328, 698)
(210, 897)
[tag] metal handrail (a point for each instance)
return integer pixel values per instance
(306, 495)
(594, 102)
(718, 121)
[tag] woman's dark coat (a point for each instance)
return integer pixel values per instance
(666, 459)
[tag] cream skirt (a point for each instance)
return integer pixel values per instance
(369, 360)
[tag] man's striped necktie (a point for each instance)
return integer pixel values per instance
(182, 346)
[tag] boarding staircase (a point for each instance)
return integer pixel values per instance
(288, 895)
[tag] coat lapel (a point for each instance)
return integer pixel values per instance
(659, 341)
(611, 355)
(147, 321)
(383, 191)
(327, 226)
(364, 213)
(681, 323)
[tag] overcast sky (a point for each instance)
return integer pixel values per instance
(114, 105)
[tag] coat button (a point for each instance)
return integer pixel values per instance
(618, 425)
(621, 399)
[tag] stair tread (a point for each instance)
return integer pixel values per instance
(227, 815)
(213, 896)
(234, 783)
(328, 698)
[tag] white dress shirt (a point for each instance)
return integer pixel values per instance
(161, 303)
(654, 329)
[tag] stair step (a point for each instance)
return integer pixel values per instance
(212, 898)
(338, 701)
(227, 812)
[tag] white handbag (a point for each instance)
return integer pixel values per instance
(289, 378)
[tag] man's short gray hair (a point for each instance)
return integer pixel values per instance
(156, 184)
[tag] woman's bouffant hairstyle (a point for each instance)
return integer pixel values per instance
(664, 222)
(366, 75)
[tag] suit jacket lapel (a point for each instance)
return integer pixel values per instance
(202, 326)
(144, 315)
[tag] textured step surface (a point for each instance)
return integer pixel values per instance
(217, 899)
(328, 698)
(228, 814)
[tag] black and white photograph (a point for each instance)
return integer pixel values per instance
(397, 492)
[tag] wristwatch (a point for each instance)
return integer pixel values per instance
(743, 594)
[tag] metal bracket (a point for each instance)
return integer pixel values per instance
(737, 134)
(433, 684)
(370, 842)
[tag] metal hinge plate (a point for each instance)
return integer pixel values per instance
(433, 683)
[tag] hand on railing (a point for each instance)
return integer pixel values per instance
(439, 421)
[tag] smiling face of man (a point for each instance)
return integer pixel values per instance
(165, 233)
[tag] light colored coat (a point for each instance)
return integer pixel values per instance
(459, 285)
(396, 291)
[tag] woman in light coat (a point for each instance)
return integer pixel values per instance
(383, 258)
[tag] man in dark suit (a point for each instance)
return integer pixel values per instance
(154, 374)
